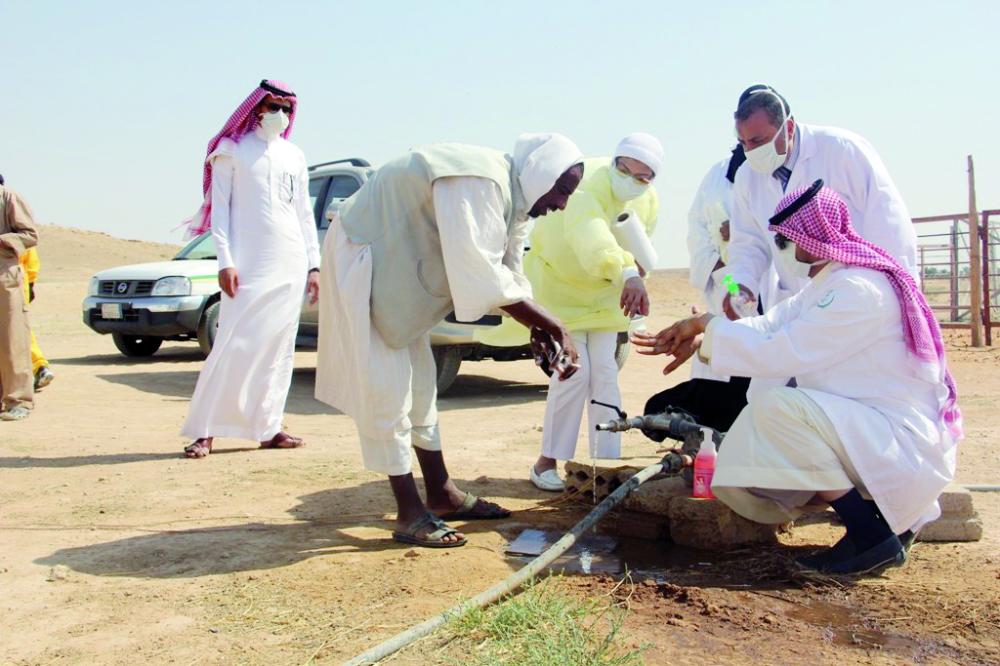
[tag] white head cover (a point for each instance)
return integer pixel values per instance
(539, 160)
(643, 147)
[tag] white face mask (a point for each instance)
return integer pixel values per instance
(765, 159)
(626, 188)
(273, 123)
(793, 267)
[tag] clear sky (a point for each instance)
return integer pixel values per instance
(108, 105)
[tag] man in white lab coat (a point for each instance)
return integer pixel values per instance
(873, 424)
(783, 155)
(714, 399)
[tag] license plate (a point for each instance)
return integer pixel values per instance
(111, 311)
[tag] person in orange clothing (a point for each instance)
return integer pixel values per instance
(43, 374)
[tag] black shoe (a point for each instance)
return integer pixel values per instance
(888, 553)
(843, 548)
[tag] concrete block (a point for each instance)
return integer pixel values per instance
(953, 528)
(636, 525)
(957, 501)
(606, 481)
(711, 525)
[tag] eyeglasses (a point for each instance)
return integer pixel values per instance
(272, 106)
(643, 178)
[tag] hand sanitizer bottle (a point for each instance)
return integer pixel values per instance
(742, 304)
(704, 466)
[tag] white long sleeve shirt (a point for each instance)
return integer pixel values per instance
(482, 259)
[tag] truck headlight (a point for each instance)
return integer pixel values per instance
(172, 286)
(95, 286)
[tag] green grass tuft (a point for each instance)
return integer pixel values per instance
(543, 626)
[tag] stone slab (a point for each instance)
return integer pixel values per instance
(952, 528)
(956, 501)
(655, 496)
(711, 525)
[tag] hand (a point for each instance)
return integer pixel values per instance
(543, 345)
(312, 287)
(670, 339)
(724, 231)
(727, 306)
(31, 292)
(229, 282)
(685, 351)
(634, 298)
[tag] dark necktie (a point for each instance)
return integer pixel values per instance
(783, 174)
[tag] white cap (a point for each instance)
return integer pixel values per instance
(643, 147)
(707, 442)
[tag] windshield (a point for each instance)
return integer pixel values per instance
(202, 247)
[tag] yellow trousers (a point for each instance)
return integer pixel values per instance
(38, 359)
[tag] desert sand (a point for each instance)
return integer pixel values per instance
(115, 550)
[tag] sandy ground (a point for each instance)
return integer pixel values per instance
(114, 550)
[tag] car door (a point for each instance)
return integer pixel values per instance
(326, 194)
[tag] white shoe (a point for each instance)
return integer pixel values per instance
(548, 480)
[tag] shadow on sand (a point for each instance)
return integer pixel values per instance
(326, 523)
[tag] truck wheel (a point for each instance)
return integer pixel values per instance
(621, 350)
(136, 345)
(208, 327)
(448, 360)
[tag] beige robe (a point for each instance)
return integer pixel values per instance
(17, 234)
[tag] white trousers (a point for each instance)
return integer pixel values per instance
(390, 393)
(597, 379)
(781, 450)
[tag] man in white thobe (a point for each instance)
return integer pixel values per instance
(873, 423)
(439, 229)
(264, 230)
(783, 154)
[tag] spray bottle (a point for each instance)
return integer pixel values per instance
(704, 466)
(741, 302)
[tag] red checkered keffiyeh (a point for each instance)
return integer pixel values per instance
(822, 227)
(242, 122)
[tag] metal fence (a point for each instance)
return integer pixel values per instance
(943, 258)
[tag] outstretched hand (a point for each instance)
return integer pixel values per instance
(680, 340)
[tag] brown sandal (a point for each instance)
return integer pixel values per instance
(283, 441)
(199, 448)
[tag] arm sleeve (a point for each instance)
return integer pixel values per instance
(514, 256)
(470, 218)
(222, 190)
(588, 235)
(815, 339)
(701, 249)
(884, 220)
(749, 251)
(307, 219)
(22, 232)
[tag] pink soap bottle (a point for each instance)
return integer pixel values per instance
(704, 466)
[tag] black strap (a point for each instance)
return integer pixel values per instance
(275, 90)
(796, 205)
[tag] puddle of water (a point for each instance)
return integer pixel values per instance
(842, 626)
(602, 554)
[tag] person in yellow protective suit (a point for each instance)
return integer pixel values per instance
(580, 272)
(30, 264)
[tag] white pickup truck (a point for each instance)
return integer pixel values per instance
(144, 304)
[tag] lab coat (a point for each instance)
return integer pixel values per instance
(848, 164)
(842, 339)
(713, 201)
